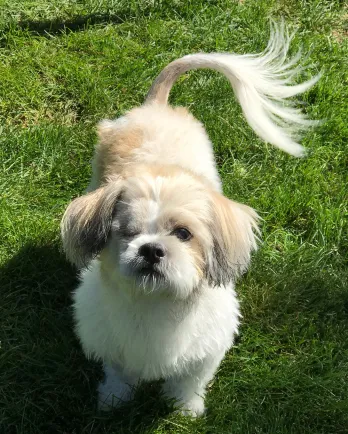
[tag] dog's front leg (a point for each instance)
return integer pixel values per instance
(115, 389)
(189, 388)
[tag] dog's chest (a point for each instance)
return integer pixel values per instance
(155, 337)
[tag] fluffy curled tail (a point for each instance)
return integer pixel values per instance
(262, 84)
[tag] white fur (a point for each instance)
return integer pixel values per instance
(150, 337)
(181, 279)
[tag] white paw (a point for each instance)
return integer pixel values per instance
(194, 407)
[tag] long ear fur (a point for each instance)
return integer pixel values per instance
(87, 222)
(234, 238)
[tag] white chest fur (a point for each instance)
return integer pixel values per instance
(151, 336)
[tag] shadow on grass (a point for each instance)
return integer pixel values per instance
(311, 286)
(77, 23)
(48, 386)
(46, 383)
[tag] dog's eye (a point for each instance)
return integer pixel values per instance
(129, 233)
(182, 233)
(132, 234)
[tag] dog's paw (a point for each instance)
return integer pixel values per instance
(194, 407)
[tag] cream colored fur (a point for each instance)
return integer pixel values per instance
(158, 245)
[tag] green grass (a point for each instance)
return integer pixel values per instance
(64, 65)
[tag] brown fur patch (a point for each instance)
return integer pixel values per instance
(234, 238)
(161, 87)
(198, 256)
(115, 148)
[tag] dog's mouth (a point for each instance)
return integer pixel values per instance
(149, 271)
(145, 275)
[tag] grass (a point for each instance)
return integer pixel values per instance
(64, 65)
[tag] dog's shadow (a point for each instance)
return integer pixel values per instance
(46, 383)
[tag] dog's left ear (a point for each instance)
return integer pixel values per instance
(86, 224)
(233, 233)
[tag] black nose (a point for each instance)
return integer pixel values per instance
(152, 252)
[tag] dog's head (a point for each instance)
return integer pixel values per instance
(162, 227)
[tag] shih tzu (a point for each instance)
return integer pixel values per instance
(159, 246)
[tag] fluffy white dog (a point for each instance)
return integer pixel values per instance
(159, 244)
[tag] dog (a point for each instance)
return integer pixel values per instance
(158, 245)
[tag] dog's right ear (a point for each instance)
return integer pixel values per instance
(86, 224)
(235, 230)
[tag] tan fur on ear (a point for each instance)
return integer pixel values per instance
(87, 222)
(233, 237)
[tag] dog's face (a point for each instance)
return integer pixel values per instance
(160, 234)
(163, 229)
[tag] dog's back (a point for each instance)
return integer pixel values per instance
(154, 134)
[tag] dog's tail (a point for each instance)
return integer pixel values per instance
(262, 84)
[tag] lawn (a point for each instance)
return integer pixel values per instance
(64, 65)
